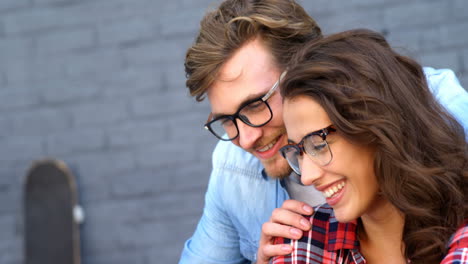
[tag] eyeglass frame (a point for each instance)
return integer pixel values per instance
(323, 133)
(236, 115)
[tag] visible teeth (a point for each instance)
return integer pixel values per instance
(267, 147)
(332, 190)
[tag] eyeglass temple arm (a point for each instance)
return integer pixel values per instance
(208, 120)
(272, 90)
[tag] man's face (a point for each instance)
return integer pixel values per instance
(248, 74)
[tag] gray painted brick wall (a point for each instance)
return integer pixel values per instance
(100, 85)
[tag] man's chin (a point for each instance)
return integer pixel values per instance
(277, 170)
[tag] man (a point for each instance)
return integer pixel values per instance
(241, 52)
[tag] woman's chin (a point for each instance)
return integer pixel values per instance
(344, 217)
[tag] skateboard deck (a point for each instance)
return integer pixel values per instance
(50, 202)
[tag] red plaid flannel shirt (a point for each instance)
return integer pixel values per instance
(458, 247)
(330, 241)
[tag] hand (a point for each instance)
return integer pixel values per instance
(287, 222)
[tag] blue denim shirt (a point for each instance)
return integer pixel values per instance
(240, 197)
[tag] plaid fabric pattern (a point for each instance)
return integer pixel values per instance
(332, 242)
(327, 242)
(458, 247)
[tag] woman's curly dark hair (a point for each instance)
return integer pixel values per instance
(377, 97)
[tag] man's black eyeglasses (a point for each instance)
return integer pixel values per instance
(255, 113)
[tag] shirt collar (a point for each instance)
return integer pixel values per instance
(341, 235)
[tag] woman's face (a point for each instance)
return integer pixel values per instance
(348, 182)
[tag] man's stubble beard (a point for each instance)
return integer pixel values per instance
(277, 168)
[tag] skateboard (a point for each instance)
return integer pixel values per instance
(52, 214)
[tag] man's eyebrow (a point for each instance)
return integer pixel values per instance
(249, 99)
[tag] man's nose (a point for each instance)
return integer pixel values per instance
(310, 171)
(248, 135)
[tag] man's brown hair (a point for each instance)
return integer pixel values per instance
(283, 26)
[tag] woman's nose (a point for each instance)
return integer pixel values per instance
(310, 171)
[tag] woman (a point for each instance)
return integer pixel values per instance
(365, 130)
